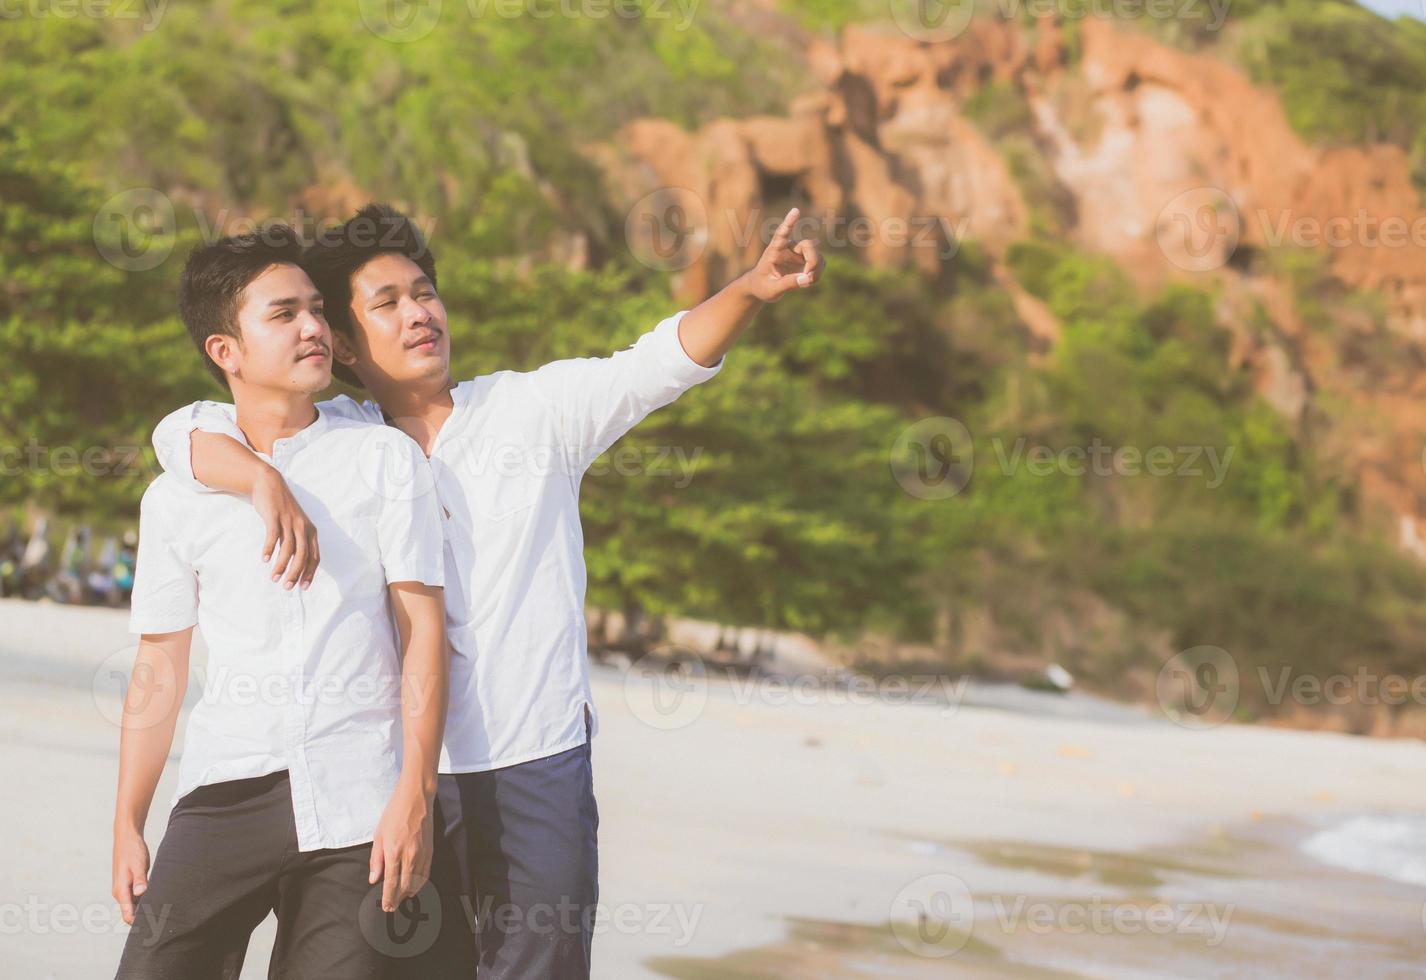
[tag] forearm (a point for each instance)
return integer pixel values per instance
(425, 684)
(150, 717)
(424, 695)
(223, 463)
(141, 759)
(711, 328)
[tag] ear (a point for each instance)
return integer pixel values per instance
(342, 349)
(223, 349)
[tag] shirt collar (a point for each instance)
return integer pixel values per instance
(302, 437)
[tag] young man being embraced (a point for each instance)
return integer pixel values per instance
(309, 763)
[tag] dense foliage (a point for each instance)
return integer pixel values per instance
(766, 498)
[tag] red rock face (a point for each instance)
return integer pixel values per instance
(1174, 163)
(880, 160)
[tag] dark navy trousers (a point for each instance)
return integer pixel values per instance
(515, 875)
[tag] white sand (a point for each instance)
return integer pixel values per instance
(734, 819)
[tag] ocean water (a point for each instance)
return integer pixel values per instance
(1389, 845)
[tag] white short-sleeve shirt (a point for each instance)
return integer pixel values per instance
(508, 463)
(307, 681)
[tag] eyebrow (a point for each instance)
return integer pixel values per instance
(292, 301)
(391, 287)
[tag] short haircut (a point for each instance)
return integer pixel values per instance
(338, 254)
(211, 288)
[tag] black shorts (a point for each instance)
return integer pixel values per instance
(228, 858)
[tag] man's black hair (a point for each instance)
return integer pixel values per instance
(214, 277)
(337, 254)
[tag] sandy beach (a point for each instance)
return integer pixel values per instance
(757, 829)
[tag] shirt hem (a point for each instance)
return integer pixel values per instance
(178, 624)
(401, 574)
(505, 762)
(207, 778)
(303, 848)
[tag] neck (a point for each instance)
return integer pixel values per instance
(418, 409)
(266, 416)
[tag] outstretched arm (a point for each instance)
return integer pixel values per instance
(712, 327)
(598, 399)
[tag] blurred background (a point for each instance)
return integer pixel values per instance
(1056, 560)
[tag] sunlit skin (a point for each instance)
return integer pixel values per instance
(281, 357)
(401, 347)
(401, 344)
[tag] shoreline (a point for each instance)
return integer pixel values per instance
(789, 838)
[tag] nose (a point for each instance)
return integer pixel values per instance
(312, 326)
(413, 312)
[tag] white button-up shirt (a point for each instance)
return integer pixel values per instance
(508, 464)
(307, 681)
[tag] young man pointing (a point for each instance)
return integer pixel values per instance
(516, 797)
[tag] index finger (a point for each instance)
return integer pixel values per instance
(124, 894)
(314, 558)
(294, 572)
(391, 884)
(408, 887)
(270, 539)
(783, 235)
(284, 554)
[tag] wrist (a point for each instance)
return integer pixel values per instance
(417, 786)
(743, 286)
(265, 477)
(128, 825)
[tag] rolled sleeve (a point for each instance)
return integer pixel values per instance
(165, 596)
(674, 359)
(173, 437)
(410, 529)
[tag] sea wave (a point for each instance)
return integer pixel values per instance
(1391, 846)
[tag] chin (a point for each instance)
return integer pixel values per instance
(428, 366)
(312, 381)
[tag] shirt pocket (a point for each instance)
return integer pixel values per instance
(501, 496)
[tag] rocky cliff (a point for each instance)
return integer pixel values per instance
(1172, 162)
